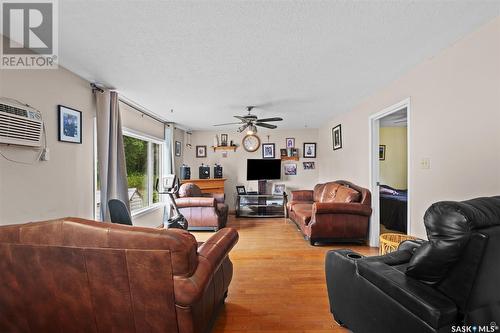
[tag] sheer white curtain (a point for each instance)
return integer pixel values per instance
(168, 163)
(110, 151)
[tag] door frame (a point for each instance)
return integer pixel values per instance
(374, 166)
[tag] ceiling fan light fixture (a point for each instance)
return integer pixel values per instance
(251, 130)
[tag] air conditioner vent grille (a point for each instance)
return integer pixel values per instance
(13, 110)
(18, 127)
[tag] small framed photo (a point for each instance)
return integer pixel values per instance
(290, 142)
(283, 152)
(279, 189)
(337, 137)
(309, 150)
(309, 165)
(70, 124)
(295, 152)
(201, 151)
(268, 150)
(240, 189)
(178, 147)
(223, 139)
(381, 152)
(290, 169)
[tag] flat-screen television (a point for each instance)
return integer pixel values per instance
(263, 169)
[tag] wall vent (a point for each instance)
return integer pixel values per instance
(20, 125)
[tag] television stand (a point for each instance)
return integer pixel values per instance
(261, 205)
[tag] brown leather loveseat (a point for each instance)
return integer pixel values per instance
(74, 275)
(334, 211)
(203, 211)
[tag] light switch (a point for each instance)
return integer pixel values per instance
(425, 163)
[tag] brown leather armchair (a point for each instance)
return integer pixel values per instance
(335, 211)
(203, 211)
(74, 275)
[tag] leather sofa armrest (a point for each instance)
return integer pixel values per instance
(219, 197)
(341, 208)
(422, 300)
(195, 202)
(410, 245)
(211, 254)
(302, 195)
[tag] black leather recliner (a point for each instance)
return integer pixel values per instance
(426, 286)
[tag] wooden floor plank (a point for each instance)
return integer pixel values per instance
(279, 280)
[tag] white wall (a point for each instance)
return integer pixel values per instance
(234, 166)
(62, 186)
(454, 119)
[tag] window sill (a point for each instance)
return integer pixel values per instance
(147, 210)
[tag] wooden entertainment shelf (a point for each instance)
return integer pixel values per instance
(210, 185)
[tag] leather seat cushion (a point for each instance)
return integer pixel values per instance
(424, 301)
(303, 212)
(318, 192)
(347, 194)
(330, 192)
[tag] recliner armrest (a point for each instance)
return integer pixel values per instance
(195, 202)
(211, 255)
(424, 301)
(341, 208)
(302, 195)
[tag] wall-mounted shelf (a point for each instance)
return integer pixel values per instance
(289, 158)
(233, 148)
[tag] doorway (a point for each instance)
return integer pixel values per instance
(389, 171)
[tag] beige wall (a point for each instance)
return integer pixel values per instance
(62, 186)
(393, 170)
(454, 119)
(234, 166)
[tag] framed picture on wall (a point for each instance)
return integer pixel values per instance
(337, 137)
(309, 149)
(290, 169)
(240, 189)
(279, 189)
(381, 152)
(178, 146)
(223, 140)
(268, 150)
(290, 142)
(201, 151)
(70, 124)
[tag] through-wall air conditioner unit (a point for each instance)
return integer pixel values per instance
(20, 125)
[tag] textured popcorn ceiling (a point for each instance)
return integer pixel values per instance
(207, 60)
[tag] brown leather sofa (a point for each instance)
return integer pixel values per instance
(74, 275)
(334, 211)
(203, 211)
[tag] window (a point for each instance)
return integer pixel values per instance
(143, 158)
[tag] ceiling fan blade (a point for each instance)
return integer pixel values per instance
(266, 125)
(269, 119)
(227, 124)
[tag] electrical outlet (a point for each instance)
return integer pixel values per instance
(45, 156)
(425, 163)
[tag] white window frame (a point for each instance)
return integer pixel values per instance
(150, 140)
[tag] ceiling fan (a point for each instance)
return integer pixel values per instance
(250, 121)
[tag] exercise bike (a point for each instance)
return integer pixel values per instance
(170, 187)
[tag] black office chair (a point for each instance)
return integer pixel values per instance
(119, 212)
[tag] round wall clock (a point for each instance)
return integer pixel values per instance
(251, 143)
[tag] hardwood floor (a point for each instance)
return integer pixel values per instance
(279, 280)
